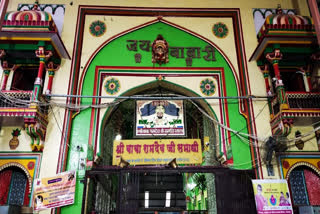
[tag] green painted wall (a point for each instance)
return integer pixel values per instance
(116, 53)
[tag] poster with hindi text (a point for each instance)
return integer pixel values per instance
(54, 191)
(272, 196)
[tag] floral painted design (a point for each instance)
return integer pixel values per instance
(220, 30)
(97, 28)
(207, 87)
(112, 86)
(31, 165)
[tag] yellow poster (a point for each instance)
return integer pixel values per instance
(272, 196)
(54, 191)
(147, 152)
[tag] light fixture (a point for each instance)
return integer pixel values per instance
(168, 198)
(299, 142)
(146, 199)
(173, 163)
(123, 163)
(118, 137)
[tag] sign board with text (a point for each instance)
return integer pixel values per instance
(147, 152)
(56, 191)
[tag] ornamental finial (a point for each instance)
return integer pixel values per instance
(279, 9)
(36, 5)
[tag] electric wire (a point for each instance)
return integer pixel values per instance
(243, 136)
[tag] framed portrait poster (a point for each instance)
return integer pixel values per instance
(160, 118)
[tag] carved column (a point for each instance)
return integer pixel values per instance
(266, 75)
(51, 68)
(6, 71)
(307, 78)
(274, 58)
(43, 56)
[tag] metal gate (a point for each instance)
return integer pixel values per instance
(142, 189)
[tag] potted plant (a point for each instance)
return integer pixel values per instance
(14, 142)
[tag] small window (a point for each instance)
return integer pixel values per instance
(24, 78)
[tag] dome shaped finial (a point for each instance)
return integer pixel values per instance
(36, 5)
(279, 9)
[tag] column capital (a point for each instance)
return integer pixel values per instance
(2, 53)
(43, 54)
(8, 67)
(315, 57)
(52, 68)
(274, 57)
(264, 70)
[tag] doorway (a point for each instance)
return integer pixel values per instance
(160, 189)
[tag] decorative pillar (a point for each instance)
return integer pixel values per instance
(274, 58)
(51, 71)
(307, 78)
(43, 56)
(313, 6)
(266, 75)
(6, 71)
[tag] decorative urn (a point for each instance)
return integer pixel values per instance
(14, 142)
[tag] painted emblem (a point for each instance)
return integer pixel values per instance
(286, 164)
(160, 50)
(31, 165)
(220, 30)
(112, 86)
(207, 87)
(97, 28)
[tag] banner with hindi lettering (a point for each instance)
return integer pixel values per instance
(160, 118)
(54, 191)
(145, 152)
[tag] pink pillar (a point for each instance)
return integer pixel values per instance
(3, 10)
(6, 71)
(315, 16)
(50, 80)
(5, 79)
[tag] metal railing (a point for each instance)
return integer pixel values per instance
(15, 99)
(20, 99)
(303, 100)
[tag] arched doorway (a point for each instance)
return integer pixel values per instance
(14, 187)
(157, 191)
(304, 185)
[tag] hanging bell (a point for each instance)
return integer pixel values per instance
(123, 163)
(173, 164)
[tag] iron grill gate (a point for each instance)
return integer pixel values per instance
(122, 190)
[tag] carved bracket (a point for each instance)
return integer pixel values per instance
(37, 133)
(276, 55)
(282, 127)
(41, 53)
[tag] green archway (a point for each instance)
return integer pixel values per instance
(115, 53)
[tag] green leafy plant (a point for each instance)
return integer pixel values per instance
(200, 181)
(16, 132)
